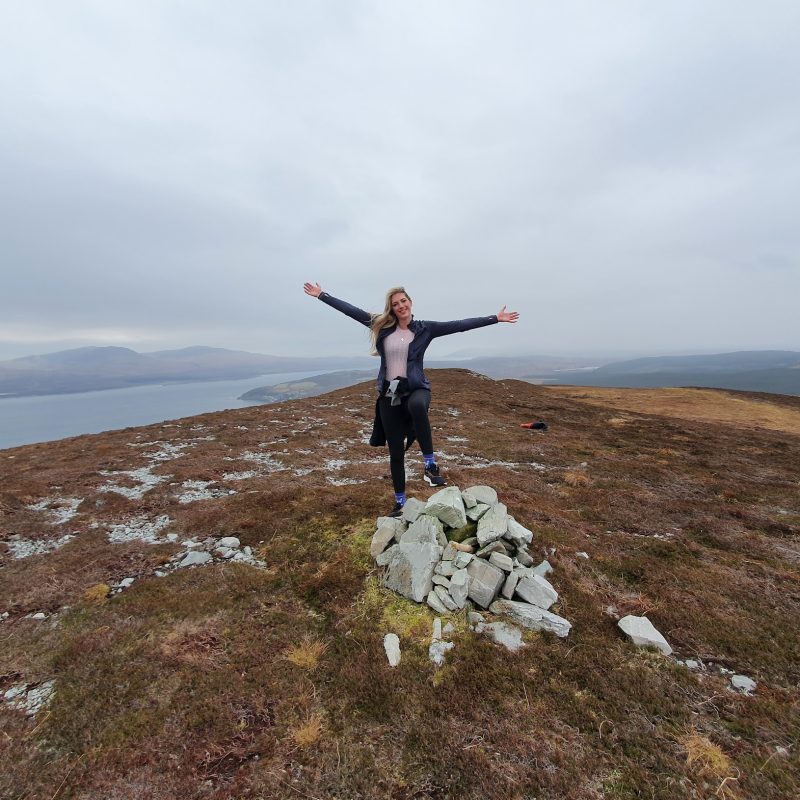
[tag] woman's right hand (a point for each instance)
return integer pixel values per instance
(313, 289)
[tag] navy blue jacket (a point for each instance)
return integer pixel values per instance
(425, 331)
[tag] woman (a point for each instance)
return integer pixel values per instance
(404, 393)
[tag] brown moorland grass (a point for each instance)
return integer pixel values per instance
(748, 409)
(183, 686)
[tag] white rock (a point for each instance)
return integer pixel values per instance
(582, 554)
(449, 628)
(445, 568)
(391, 644)
(509, 636)
(436, 604)
(545, 568)
(410, 571)
(126, 582)
(386, 556)
(380, 540)
(437, 629)
(518, 534)
(537, 590)
(444, 596)
(459, 587)
(437, 650)
(39, 615)
(510, 585)
(412, 509)
(462, 560)
(15, 691)
(643, 633)
(475, 512)
(450, 552)
(229, 541)
(483, 494)
(743, 684)
(194, 558)
(470, 501)
(492, 525)
(475, 618)
(485, 581)
(532, 617)
(425, 530)
(397, 525)
(440, 580)
(447, 505)
(502, 561)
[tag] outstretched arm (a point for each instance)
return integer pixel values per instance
(358, 314)
(461, 325)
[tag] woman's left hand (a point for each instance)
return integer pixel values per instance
(507, 316)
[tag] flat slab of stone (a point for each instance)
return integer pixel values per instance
(195, 558)
(410, 571)
(386, 556)
(743, 684)
(459, 587)
(447, 505)
(510, 585)
(436, 604)
(545, 568)
(462, 559)
(493, 524)
(537, 590)
(485, 581)
(532, 617)
(501, 561)
(228, 541)
(483, 494)
(470, 501)
(518, 534)
(412, 509)
(381, 539)
(391, 644)
(475, 512)
(643, 633)
(394, 523)
(425, 530)
(444, 596)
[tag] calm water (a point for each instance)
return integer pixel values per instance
(25, 420)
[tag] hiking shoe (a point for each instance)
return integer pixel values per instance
(397, 511)
(432, 476)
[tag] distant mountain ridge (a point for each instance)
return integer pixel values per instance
(92, 368)
(773, 371)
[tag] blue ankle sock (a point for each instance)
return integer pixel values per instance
(429, 459)
(400, 497)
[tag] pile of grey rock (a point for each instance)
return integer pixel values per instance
(463, 549)
(210, 550)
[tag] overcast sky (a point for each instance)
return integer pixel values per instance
(626, 175)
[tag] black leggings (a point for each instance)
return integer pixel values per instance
(395, 420)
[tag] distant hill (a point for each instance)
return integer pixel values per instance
(774, 371)
(307, 387)
(91, 368)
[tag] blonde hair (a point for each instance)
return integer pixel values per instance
(386, 319)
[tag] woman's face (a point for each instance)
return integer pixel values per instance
(401, 306)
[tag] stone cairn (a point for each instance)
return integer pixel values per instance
(464, 546)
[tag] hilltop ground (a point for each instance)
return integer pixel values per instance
(236, 681)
